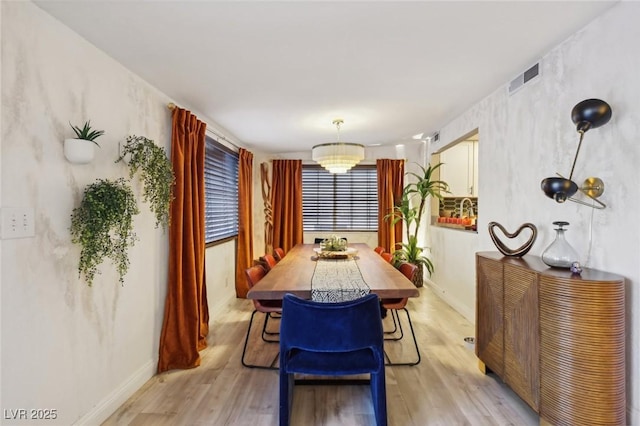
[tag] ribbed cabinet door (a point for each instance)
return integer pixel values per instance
(489, 314)
(521, 333)
(582, 357)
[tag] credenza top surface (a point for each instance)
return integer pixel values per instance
(536, 264)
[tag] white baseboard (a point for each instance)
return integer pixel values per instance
(466, 312)
(633, 414)
(113, 401)
(119, 396)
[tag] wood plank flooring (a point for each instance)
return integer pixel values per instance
(446, 388)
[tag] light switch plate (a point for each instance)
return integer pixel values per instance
(17, 222)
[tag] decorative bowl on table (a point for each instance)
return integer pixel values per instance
(347, 253)
(334, 248)
(333, 243)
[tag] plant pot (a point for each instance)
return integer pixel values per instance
(418, 278)
(79, 151)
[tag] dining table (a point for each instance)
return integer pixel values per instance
(304, 272)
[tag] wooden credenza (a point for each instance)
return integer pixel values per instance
(556, 339)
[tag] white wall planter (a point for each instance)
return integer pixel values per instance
(79, 151)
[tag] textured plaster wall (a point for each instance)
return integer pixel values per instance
(529, 136)
(81, 351)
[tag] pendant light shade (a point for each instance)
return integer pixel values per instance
(338, 157)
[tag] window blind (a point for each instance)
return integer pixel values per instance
(221, 191)
(340, 202)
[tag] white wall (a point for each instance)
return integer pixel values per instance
(529, 136)
(81, 351)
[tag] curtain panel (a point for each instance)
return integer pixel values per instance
(186, 313)
(244, 256)
(286, 199)
(390, 185)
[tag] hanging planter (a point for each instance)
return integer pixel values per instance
(103, 226)
(81, 150)
(156, 172)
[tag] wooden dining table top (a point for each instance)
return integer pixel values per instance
(294, 272)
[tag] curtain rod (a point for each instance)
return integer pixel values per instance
(173, 106)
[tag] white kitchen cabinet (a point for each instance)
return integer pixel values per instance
(460, 169)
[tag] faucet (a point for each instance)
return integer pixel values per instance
(462, 207)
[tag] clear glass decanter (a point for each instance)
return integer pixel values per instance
(560, 254)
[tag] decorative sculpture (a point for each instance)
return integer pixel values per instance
(268, 208)
(520, 251)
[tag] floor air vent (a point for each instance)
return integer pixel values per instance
(524, 78)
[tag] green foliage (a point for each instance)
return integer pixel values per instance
(333, 243)
(423, 187)
(410, 210)
(103, 226)
(156, 173)
(86, 133)
(412, 253)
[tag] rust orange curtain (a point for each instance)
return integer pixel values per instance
(390, 185)
(286, 199)
(244, 256)
(186, 313)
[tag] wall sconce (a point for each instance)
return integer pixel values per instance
(588, 114)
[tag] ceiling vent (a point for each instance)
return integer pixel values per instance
(526, 77)
(436, 137)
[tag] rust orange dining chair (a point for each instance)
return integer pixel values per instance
(278, 254)
(269, 261)
(379, 250)
(387, 256)
(394, 305)
(254, 274)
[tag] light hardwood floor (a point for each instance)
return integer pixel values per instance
(446, 388)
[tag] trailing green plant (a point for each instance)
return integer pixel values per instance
(87, 133)
(103, 225)
(156, 172)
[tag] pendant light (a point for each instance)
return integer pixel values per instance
(338, 157)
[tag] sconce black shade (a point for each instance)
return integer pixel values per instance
(558, 188)
(590, 113)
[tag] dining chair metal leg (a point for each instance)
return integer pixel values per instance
(246, 341)
(268, 316)
(415, 342)
(397, 325)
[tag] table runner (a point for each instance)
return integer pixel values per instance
(337, 280)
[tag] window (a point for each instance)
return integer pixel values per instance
(221, 192)
(340, 202)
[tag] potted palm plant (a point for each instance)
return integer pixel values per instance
(410, 210)
(80, 150)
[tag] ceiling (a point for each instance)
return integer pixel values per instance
(276, 74)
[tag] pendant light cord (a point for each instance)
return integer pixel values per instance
(589, 246)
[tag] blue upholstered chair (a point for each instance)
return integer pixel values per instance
(332, 339)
